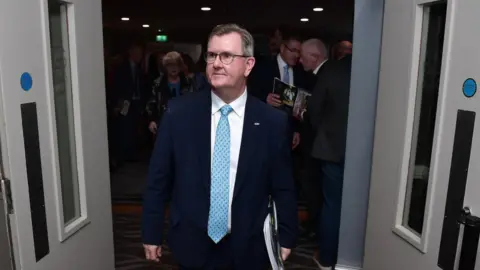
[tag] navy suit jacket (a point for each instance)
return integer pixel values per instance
(180, 166)
(124, 83)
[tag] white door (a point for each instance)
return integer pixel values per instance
(53, 134)
(427, 138)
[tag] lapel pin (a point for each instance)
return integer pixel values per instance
(256, 124)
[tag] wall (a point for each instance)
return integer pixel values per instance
(367, 35)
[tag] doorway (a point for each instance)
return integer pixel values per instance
(426, 144)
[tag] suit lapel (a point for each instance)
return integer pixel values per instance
(250, 135)
(276, 69)
(203, 130)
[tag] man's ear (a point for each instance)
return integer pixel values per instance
(282, 47)
(250, 64)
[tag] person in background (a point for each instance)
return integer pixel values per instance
(342, 49)
(224, 153)
(283, 66)
(328, 110)
(201, 82)
(131, 88)
(171, 84)
(314, 55)
(275, 41)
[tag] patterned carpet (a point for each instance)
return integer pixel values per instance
(129, 253)
(127, 186)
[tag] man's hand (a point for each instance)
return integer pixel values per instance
(285, 253)
(153, 253)
(296, 140)
(153, 127)
(274, 100)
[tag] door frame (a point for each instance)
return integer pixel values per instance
(7, 239)
(367, 42)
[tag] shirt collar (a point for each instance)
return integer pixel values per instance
(238, 105)
(315, 71)
(280, 61)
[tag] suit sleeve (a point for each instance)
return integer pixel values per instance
(159, 178)
(283, 188)
(316, 101)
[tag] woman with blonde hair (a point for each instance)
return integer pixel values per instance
(171, 84)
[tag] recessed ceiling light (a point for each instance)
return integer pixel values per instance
(205, 8)
(304, 19)
(318, 9)
(160, 30)
(125, 19)
(146, 26)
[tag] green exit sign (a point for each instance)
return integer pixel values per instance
(162, 38)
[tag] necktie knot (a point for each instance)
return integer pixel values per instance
(225, 110)
(285, 68)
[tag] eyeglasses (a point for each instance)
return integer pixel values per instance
(225, 57)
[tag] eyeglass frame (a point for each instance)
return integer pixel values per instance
(220, 57)
(294, 50)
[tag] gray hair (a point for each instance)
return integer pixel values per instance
(225, 29)
(317, 45)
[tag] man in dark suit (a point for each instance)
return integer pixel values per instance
(313, 57)
(131, 87)
(328, 110)
(283, 66)
(225, 153)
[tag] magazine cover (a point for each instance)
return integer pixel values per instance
(301, 101)
(287, 92)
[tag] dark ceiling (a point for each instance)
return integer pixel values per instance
(184, 18)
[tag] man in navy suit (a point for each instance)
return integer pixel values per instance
(285, 67)
(221, 154)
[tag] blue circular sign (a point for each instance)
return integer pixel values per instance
(26, 81)
(469, 87)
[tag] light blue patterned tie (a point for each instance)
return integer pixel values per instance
(220, 184)
(286, 75)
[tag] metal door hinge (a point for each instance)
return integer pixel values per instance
(7, 196)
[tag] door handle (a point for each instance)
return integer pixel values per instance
(468, 242)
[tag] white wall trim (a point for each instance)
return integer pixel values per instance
(344, 267)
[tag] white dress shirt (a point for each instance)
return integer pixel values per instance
(281, 65)
(235, 120)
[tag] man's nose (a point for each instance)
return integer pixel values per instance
(217, 63)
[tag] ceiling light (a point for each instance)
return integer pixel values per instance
(304, 19)
(125, 19)
(160, 30)
(318, 9)
(205, 8)
(146, 26)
